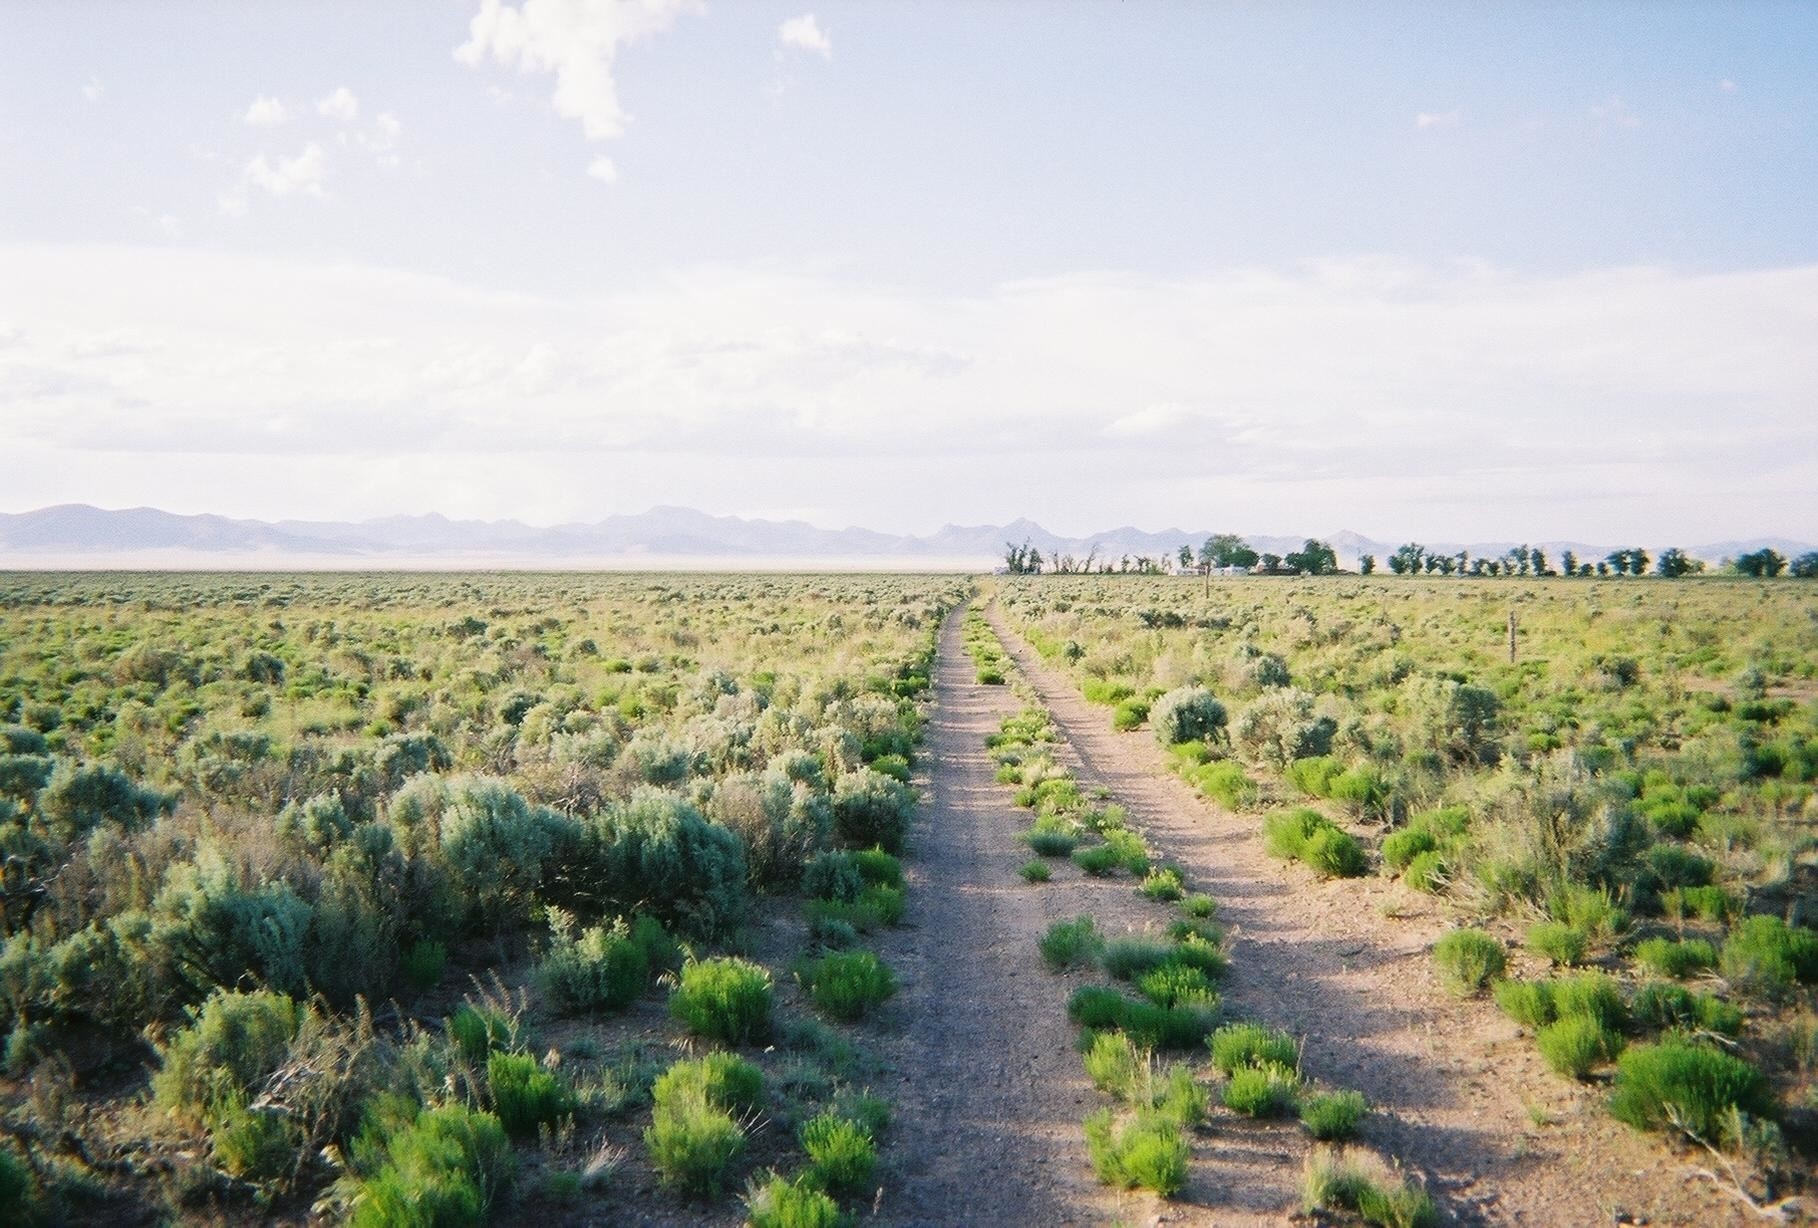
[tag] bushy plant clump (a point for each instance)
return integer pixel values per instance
(848, 985)
(1468, 960)
(1768, 956)
(1071, 944)
(1310, 837)
(1145, 1152)
(1330, 1116)
(444, 1167)
(841, 1153)
(524, 1094)
(602, 968)
(1687, 1088)
(1187, 714)
(725, 998)
(1337, 1180)
(1677, 959)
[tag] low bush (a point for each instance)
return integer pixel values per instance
(475, 1031)
(726, 999)
(846, 986)
(1311, 838)
(1070, 944)
(1237, 1045)
(1200, 906)
(721, 1079)
(1187, 714)
(693, 1144)
(1129, 957)
(603, 968)
(524, 1095)
(1036, 871)
(1558, 942)
(1099, 861)
(1342, 1181)
(1766, 955)
(1147, 1152)
(781, 1203)
(1575, 1044)
(1129, 714)
(1266, 1090)
(871, 810)
(1164, 884)
(1529, 1003)
(841, 1153)
(1679, 959)
(1660, 1006)
(1224, 782)
(443, 1168)
(1688, 1088)
(232, 1043)
(1593, 995)
(1174, 984)
(1148, 1025)
(1050, 842)
(1468, 960)
(1114, 1064)
(1330, 1116)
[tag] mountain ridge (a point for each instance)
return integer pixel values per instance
(75, 530)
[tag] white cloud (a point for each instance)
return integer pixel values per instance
(804, 33)
(94, 90)
(301, 175)
(1613, 112)
(1467, 401)
(603, 170)
(1439, 119)
(576, 41)
(266, 112)
(381, 140)
(341, 105)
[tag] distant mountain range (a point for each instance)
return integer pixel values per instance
(82, 536)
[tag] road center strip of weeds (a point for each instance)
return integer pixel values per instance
(1163, 997)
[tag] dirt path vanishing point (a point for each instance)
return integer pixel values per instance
(1462, 1096)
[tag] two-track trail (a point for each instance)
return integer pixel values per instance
(1462, 1096)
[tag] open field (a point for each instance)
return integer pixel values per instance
(449, 899)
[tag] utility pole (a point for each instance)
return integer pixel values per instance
(1511, 637)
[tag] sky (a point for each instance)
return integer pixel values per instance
(1432, 271)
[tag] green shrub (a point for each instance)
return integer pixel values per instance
(1660, 1006)
(1129, 957)
(693, 1143)
(726, 999)
(443, 1169)
(1561, 943)
(780, 1203)
(1427, 872)
(1593, 995)
(1225, 783)
(423, 963)
(1766, 955)
(1129, 714)
(1113, 1063)
(1576, 1043)
(1333, 1115)
(524, 1095)
(230, 1046)
(894, 766)
(1237, 1045)
(1050, 842)
(251, 1144)
(603, 968)
(1310, 837)
(476, 1031)
(1589, 909)
(19, 1197)
(1399, 848)
(1468, 960)
(1173, 984)
(1314, 775)
(723, 1080)
(1200, 906)
(1187, 714)
(1099, 860)
(1163, 885)
(1285, 833)
(841, 1151)
(1070, 944)
(1705, 903)
(871, 810)
(1336, 1181)
(1676, 1086)
(847, 985)
(1035, 871)
(1267, 1090)
(658, 851)
(1145, 1153)
(1529, 1003)
(1096, 1006)
(1675, 959)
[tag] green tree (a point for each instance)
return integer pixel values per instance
(1765, 563)
(1407, 559)
(1805, 566)
(1366, 564)
(1314, 558)
(1674, 563)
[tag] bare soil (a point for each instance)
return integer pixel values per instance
(1461, 1095)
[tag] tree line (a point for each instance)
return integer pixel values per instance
(1227, 551)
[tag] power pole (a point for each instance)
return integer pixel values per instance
(1511, 637)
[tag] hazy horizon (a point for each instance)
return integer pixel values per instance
(1416, 272)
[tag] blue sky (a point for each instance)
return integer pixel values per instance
(1424, 270)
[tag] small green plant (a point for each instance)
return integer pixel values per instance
(443, 1167)
(1113, 1063)
(1766, 955)
(693, 1144)
(1266, 1090)
(726, 999)
(1100, 861)
(1660, 1006)
(1173, 984)
(1330, 1116)
(1575, 1044)
(1337, 1180)
(847, 985)
(1199, 906)
(1129, 957)
(781, 1203)
(1035, 871)
(841, 1152)
(1468, 960)
(1562, 944)
(722, 1079)
(1164, 884)
(1146, 1152)
(476, 1031)
(1679, 959)
(1686, 1088)
(1591, 994)
(1237, 1045)
(1070, 944)
(232, 1043)
(602, 968)
(1529, 1003)
(1310, 837)
(524, 1095)
(1050, 841)
(423, 963)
